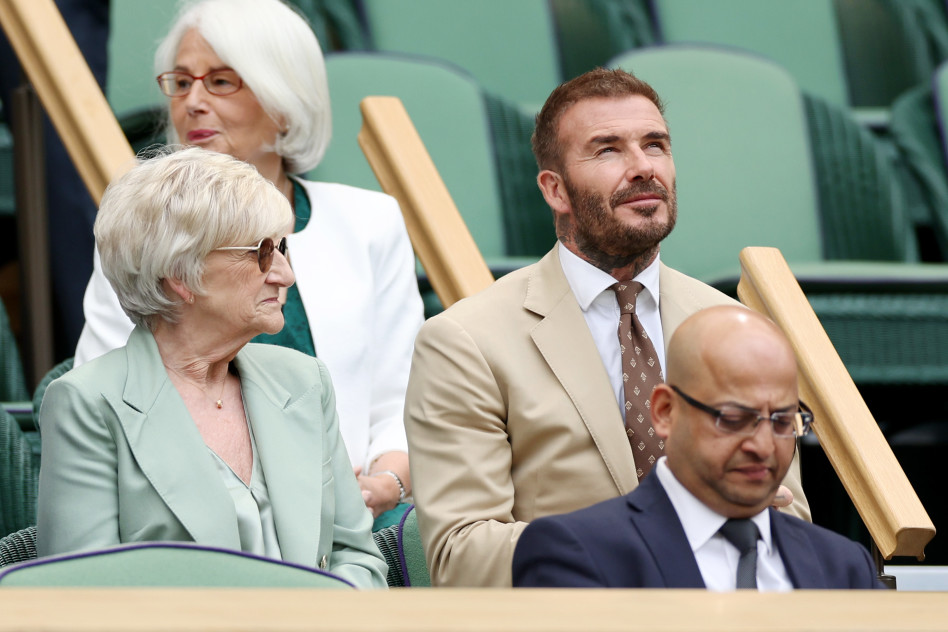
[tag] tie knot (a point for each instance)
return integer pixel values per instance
(626, 293)
(742, 533)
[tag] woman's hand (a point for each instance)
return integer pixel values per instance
(380, 492)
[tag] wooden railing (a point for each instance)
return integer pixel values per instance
(849, 435)
(67, 90)
(448, 610)
(438, 234)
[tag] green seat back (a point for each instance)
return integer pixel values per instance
(19, 477)
(508, 46)
(135, 29)
(940, 101)
(12, 381)
(166, 564)
(57, 371)
(592, 33)
(863, 203)
(412, 551)
(800, 35)
(401, 547)
(739, 139)
(889, 46)
(19, 546)
(447, 109)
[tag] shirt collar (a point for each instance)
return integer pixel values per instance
(588, 282)
(698, 520)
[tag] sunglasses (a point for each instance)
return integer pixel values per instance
(264, 251)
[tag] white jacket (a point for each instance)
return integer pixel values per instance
(355, 271)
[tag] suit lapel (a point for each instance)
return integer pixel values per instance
(798, 555)
(289, 442)
(564, 341)
(675, 304)
(169, 449)
(653, 515)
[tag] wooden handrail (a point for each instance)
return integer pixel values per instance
(67, 90)
(848, 433)
(405, 170)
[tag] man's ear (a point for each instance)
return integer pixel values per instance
(663, 405)
(554, 191)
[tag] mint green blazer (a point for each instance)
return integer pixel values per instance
(124, 462)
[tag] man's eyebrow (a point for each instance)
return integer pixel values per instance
(781, 409)
(607, 139)
(603, 140)
(658, 136)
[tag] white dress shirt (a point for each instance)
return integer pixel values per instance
(593, 291)
(717, 558)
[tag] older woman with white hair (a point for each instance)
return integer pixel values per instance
(188, 432)
(247, 78)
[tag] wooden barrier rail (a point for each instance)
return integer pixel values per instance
(445, 610)
(849, 435)
(68, 91)
(438, 234)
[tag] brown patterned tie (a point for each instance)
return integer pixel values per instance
(641, 372)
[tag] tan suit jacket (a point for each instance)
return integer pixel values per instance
(510, 416)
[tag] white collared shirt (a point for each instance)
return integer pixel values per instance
(717, 558)
(592, 289)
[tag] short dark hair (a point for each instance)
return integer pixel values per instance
(597, 83)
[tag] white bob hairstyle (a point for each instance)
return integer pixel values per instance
(161, 219)
(277, 55)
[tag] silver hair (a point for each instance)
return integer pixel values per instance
(163, 217)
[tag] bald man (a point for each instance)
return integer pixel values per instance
(729, 416)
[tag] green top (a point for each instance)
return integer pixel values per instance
(296, 333)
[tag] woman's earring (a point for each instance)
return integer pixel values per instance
(191, 299)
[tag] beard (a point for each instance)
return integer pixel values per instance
(605, 240)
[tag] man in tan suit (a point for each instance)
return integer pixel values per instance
(515, 401)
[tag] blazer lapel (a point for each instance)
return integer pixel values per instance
(798, 555)
(564, 341)
(675, 302)
(653, 515)
(289, 441)
(169, 449)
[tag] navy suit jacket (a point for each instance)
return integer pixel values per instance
(637, 541)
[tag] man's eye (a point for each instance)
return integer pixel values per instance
(736, 421)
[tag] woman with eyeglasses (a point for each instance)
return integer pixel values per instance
(188, 433)
(247, 78)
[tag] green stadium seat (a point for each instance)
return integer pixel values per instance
(918, 131)
(800, 35)
(509, 47)
(19, 477)
(166, 564)
(461, 128)
(747, 178)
